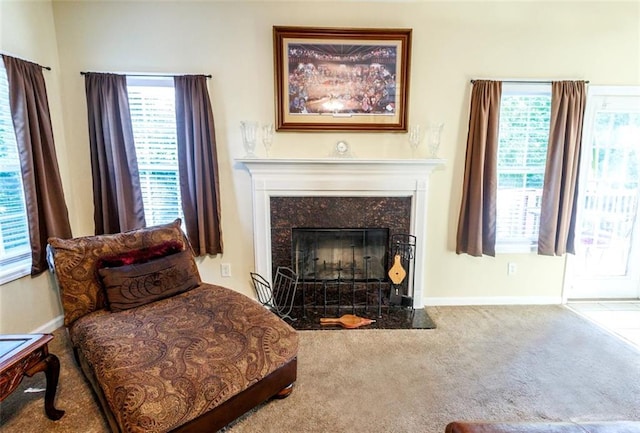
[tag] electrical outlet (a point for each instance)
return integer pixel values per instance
(225, 269)
(512, 268)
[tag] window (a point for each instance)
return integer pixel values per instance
(152, 106)
(15, 248)
(522, 152)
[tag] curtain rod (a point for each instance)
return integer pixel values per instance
(16, 57)
(148, 75)
(527, 81)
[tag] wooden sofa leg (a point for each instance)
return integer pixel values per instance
(284, 392)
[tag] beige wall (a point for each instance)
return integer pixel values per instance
(452, 43)
(27, 31)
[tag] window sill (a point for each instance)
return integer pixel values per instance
(516, 248)
(15, 272)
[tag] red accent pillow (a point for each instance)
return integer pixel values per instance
(142, 255)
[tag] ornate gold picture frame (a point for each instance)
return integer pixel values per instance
(331, 79)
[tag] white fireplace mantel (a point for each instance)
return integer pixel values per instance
(340, 178)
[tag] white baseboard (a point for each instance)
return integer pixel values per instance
(495, 300)
(50, 326)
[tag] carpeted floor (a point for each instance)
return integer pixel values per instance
(516, 363)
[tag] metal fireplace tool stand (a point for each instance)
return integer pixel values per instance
(402, 251)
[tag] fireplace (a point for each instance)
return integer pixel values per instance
(340, 253)
(337, 193)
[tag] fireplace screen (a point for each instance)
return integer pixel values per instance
(340, 254)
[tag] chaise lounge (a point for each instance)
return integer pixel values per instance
(162, 350)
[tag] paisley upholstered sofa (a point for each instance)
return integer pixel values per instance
(162, 350)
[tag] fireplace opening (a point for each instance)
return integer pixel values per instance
(357, 254)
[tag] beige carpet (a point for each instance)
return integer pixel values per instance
(491, 363)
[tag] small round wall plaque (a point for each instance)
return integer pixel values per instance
(342, 149)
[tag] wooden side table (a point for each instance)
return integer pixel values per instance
(26, 355)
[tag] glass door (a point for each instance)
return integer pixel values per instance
(607, 260)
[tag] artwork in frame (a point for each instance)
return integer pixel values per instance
(332, 79)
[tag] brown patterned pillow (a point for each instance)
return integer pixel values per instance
(75, 262)
(138, 284)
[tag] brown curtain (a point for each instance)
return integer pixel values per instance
(560, 190)
(46, 209)
(198, 164)
(117, 198)
(477, 221)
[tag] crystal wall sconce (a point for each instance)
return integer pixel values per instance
(415, 138)
(267, 137)
(434, 131)
(249, 136)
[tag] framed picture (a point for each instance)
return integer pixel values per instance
(330, 79)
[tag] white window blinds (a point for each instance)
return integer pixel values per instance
(522, 153)
(152, 106)
(15, 249)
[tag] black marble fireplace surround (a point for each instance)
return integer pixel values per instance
(392, 214)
